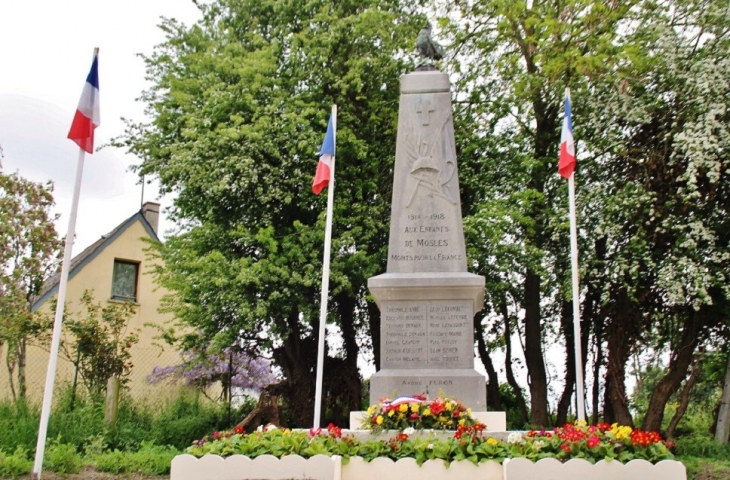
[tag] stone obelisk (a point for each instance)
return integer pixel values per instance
(427, 299)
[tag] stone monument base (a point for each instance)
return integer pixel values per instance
(495, 421)
(460, 384)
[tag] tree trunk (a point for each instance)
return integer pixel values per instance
(297, 358)
(10, 363)
(508, 364)
(566, 316)
(374, 318)
(22, 360)
(616, 409)
(346, 396)
(722, 430)
(598, 326)
(266, 410)
(679, 362)
(493, 399)
(534, 359)
(684, 399)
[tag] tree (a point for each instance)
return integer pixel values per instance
(29, 249)
(239, 106)
(513, 61)
(100, 342)
(231, 367)
(661, 135)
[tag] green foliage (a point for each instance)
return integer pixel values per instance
(238, 107)
(61, 458)
(29, 245)
(471, 444)
(510, 407)
(15, 464)
(82, 426)
(150, 459)
(100, 344)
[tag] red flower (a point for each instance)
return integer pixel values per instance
(414, 416)
(401, 437)
(420, 397)
(334, 431)
(313, 432)
(437, 407)
(457, 414)
(238, 429)
(564, 447)
(604, 427)
(593, 441)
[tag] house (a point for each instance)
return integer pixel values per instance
(116, 269)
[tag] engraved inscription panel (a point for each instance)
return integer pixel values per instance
(405, 334)
(426, 233)
(427, 334)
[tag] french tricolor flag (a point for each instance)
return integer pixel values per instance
(326, 157)
(87, 116)
(566, 165)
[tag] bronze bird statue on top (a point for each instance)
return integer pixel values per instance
(427, 47)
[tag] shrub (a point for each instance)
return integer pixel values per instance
(12, 466)
(62, 458)
(150, 459)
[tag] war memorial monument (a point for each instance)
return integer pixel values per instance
(427, 298)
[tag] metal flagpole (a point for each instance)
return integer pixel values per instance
(579, 389)
(325, 280)
(57, 323)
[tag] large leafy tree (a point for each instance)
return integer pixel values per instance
(239, 106)
(29, 247)
(661, 134)
(649, 83)
(514, 60)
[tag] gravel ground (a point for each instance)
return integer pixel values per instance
(91, 474)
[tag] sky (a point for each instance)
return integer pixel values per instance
(46, 48)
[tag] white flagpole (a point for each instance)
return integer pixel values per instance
(57, 323)
(579, 389)
(325, 280)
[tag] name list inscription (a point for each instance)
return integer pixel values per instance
(436, 334)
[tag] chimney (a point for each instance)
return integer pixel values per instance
(151, 213)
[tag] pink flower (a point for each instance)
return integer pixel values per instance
(593, 441)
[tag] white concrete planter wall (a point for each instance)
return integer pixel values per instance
(577, 468)
(320, 467)
(407, 469)
(265, 467)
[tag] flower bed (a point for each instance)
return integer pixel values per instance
(577, 450)
(592, 443)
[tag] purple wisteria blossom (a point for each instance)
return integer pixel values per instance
(202, 371)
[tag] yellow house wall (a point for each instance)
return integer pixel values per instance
(96, 275)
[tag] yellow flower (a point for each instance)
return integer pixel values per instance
(449, 406)
(391, 413)
(403, 407)
(379, 420)
(401, 416)
(462, 421)
(414, 408)
(372, 409)
(468, 411)
(442, 419)
(491, 441)
(581, 423)
(287, 431)
(427, 412)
